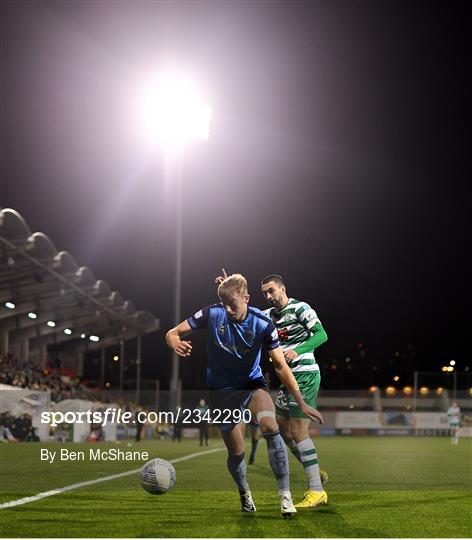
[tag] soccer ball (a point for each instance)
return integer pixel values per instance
(157, 476)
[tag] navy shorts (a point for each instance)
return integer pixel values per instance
(234, 399)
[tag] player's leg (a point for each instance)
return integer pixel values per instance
(283, 421)
(234, 441)
(308, 455)
(455, 434)
(262, 408)
(299, 428)
(254, 430)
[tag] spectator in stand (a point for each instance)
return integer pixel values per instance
(6, 421)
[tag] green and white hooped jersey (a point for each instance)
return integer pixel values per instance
(294, 323)
(454, 415)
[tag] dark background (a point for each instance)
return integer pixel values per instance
(337, 158)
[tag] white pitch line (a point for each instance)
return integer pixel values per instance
(44, 494)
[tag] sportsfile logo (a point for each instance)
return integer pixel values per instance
(112, 415)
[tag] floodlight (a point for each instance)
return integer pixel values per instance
(172, 110)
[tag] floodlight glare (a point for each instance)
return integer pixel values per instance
(452, 363)
(32, 315)
(51, 324)
(67, 331)
(94, 338)
(83, 336)
(10, 305)
(172, 110)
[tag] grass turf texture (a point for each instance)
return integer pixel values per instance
(379, 487)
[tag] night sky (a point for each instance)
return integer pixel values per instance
(337, 158)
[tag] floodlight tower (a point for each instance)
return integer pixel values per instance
(174, 114)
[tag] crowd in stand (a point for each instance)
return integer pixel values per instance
(16, 429)
(27, 374)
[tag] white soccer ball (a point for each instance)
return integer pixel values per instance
(157, 476)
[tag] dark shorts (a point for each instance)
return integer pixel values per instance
(234, 399)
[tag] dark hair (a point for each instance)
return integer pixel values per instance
(273, 277)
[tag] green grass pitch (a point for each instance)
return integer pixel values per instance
(379, 487)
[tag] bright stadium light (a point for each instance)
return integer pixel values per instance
(396, 378)
(83, 336)
(172, 110)
(32, 315)
(452, 363)
(67, 331)
(94, 338)
(51, 324)
(10, 305)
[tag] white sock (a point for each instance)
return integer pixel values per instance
(309, 459)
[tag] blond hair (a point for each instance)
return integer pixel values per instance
(236, 283)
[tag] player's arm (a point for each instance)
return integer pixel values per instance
(288, 380)
(317, 338)
(174, 339)
(308, 318)
(174, 336)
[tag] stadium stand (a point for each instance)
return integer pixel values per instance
(46, 298)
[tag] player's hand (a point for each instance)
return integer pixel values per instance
(221, 278)
(183, 348)
(290, 355)
(312, 413)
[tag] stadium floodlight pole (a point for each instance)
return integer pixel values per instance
(415, 390)
(175, 113)
(174, 380)
(102, 367)
(122, 365)
(138, 368)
